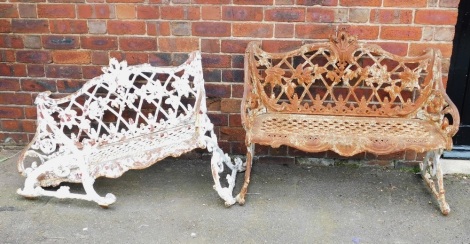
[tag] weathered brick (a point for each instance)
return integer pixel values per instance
(7, 56)
(126, 27)
(313, 31)
(211, 1)
(27, 10)
(99, 42)
(216, 61)
(29, 26)
(418, 48)
(391, 16)
(251, 2)
(428, 34)
(212, 29)
(280, 46)
(217, 90)
(359, 15)
(444, 34)
(148, 12)
(10, 85)
(125, 1)
(449, 3)
(132, 58)
(8, 10)
(212, 75)
(60, 42)
(71, 57)
(180, 44)
(69, 86)
(68, 26)
(239, 13)
(90, 72)
(32, 41)
(11, 112)
(210, 45)
(137, 43)
(180, 28)
(317, 2)
(125, 11)
(232, 133)
(99, 58)
(321, 15)
(95, 11)
(11, 41)
(237, 90)
(56, 10)
(232, 75)
(401, 33)
(28, 126)
(362, 3)
(38, 85)
(283, 30)
(10, 125)
(436, 17)
(34, 57)
(36, 70)
(285, 14)
(281, 159)
(364, 32)
(405, 3)
(229, 105)
(97, 27)
(238, 61)
(30, 112)
(8, 69)
(218, 119)
(157, 28)
(396, 48)
(16, 98)
(234, 46)
(64, 71)
(180, 12)
(160, 59)
(211, 12)
(259, 30)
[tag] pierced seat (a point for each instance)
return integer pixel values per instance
(312, 133)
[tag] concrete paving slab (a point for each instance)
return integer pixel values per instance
(173, 202)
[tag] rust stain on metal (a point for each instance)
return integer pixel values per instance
(348, 97)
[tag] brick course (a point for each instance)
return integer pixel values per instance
(57, 44)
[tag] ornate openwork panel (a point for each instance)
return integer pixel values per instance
(342, 77)
(347, 97)
(128, 118)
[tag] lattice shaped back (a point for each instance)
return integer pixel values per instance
(126, 101)
(342, 77)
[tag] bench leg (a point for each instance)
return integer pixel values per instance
(32, 188)
(432, 175)
(219, 162)
(249, 162)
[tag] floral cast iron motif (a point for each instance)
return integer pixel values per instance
(128, 118)
(348, 97)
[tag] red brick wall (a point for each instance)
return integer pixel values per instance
(57, 44)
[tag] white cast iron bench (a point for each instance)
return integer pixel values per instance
(128, 118)
(348, 97)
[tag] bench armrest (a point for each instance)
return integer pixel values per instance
(251, 101)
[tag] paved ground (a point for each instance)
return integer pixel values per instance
(173, 202)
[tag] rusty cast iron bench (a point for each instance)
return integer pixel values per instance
(128, 118)
(348, 97)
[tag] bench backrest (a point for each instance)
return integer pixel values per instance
(125, 101)
(342, 77)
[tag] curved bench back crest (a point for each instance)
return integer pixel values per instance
(345, 77)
